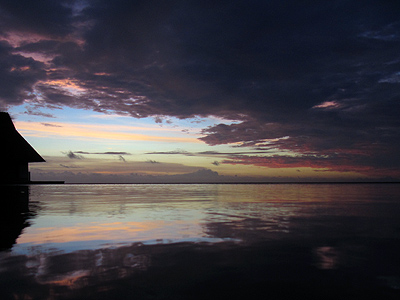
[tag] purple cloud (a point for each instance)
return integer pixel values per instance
(308, 78)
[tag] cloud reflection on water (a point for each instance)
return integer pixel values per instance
(113, 232)
(199, 241)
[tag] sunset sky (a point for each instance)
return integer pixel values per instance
(194, 91)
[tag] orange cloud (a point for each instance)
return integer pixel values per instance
(69, 85)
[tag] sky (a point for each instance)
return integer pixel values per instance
(204, 91)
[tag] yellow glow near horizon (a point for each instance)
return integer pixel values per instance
(104, 132)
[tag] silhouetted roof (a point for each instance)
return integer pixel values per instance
(13, 147)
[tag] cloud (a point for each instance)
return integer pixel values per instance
(72, 155)
(174, 152)
(120, 153)
(35, 112)
(47, 18)
(18, 74)
(152, 161)
(50, 125)
(339, 163)
(322, 75)
(77, 154)
(206, 153)
(70, 166)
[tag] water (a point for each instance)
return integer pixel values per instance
(187, 241)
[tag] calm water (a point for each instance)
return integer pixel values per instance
(275, 241)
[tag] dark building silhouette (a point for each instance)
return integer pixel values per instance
(15, 213)
(16, 153)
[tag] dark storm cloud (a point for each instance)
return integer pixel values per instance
(317, 77)
(17, 74)
(46, 17)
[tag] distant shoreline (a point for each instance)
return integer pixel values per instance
(204, 183)
(259, 183)
(33, 183)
